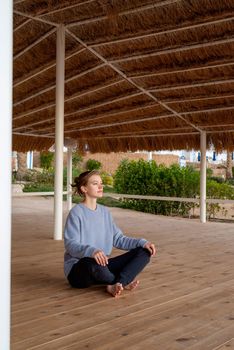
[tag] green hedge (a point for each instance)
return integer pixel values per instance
(93, 164)
(148, 178)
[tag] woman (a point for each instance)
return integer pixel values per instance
(90, 233)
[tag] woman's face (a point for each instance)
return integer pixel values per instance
(94, 187)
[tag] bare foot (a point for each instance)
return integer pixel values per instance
(132, 285)
(114, 289)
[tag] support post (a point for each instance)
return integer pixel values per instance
(69, 178)
(59, 133)
(6, 35)
(150, 157)
(203, 178)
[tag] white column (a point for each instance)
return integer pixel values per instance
(31, 159)
(203, 178)
(150, 156)
(69, 178)
(5, 183)
(59, 134)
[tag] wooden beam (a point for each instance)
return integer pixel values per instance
(208, 110)
(71, 98)
(18, 1)
(220, 131)
(111, 114)
(86, 108)
(175, 50)
(133, 135)
(130, 134)
(29, 47)
(31, 134)
(123, 13)
(77, 95)
(35, 110)
(191, 99)
(35, 18)
(37, 71)
(162, 135)
(136, 135)
(226, 125)
(95, 89)
(182, 70)
(144, 91)
(22, 24)
(69, 7)
(154, 118)
(139, 120)
(53, 86)
(168, 31)
(126, 122)
(214, 82)
(106, 115)
(148, 135)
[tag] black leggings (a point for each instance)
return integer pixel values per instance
(122, 269)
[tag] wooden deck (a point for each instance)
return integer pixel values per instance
(185, 299)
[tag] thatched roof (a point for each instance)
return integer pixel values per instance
(139, 74)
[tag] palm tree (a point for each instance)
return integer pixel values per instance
(229, 165)
(22, 163)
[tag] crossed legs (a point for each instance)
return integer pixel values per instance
(119, 274)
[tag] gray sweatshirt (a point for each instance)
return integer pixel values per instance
(89, 230)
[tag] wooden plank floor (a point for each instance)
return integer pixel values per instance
(185, 299)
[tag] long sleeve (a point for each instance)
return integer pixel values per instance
(72, 238)
(126, 243)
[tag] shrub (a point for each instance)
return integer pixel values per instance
(76, 159)
(147, 178)
(93, 164)
(217, 179)
(218, 190)
(230, 181)
(38, 187)
(46, 159)
(75, 172)
(107, 179)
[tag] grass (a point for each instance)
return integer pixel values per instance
(40, 187)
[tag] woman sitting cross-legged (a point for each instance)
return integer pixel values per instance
(90, 234)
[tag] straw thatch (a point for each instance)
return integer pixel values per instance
(139, 74)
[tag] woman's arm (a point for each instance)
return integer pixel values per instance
(72, 239)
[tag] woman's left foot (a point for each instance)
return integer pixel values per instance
(132, 285)
(114, 289)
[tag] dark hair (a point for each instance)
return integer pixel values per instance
(82, 180)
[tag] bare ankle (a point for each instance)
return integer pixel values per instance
(115, 289)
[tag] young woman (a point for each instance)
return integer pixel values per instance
(90, 234)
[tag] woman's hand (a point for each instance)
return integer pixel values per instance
(150, 247)
(100, 258)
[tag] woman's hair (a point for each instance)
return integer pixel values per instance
(82, 180)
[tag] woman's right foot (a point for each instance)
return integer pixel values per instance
(114, 289)
(132, 285)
